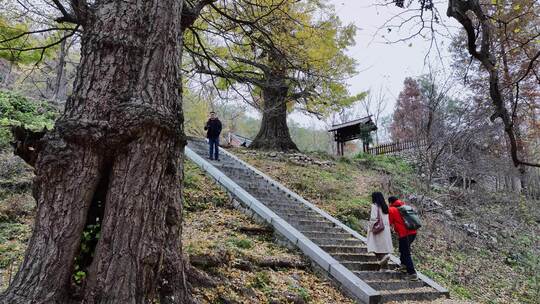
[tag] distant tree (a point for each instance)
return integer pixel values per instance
(410, 114)
(513, 48)
(502, 37)
(196, 109)
(374, 105)
(294, 55)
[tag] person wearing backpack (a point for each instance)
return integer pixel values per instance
(405, 237)
(379, 238)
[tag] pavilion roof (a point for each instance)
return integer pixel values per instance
(361, 121)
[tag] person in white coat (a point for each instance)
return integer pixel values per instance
(379, 239)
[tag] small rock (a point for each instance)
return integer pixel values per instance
(249, 292)
(294, 298)
(448, 213)
(471, 229)
(273, 154)
(225, 300)
(244, 265)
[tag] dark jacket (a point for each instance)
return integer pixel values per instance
(397, 221)
(213, 128)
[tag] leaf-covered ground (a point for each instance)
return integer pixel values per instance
(16, 214)
(212, 225)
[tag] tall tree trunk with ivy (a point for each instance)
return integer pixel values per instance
(108, 176)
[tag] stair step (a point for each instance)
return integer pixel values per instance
(311, 225)
(292, 211)
(272, 198)
(286, 205)
(415, 294)
(395, 284)
(328, 235)
(362, 266)
(282, 210)
(355, 257)
(226, 164)
(380, 275)
(342, 242)
(251, 185)
(343, 249)
(320, 228)
(306, 217)
(266, 198)
(240, 175)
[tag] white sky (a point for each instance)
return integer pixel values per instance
(380, 63)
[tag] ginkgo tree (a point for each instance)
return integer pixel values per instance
(286, 54)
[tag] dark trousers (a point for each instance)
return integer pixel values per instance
(405, 252)
(214, 147)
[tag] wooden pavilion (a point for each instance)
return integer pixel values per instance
(356, 129)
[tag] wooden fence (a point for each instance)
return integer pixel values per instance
(395, 147)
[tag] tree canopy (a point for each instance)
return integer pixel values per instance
(304, 42)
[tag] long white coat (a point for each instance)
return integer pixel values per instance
(382, 241)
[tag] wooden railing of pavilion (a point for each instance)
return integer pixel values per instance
(395, 147)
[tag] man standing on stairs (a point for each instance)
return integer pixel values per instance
(213, 129)
(406, 237)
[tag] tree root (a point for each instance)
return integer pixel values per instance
(199, 278)
(255, 230)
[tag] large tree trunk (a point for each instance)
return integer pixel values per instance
(274, 132)
(114, 160)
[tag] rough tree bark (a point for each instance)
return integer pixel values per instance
(274, 132)
(115, 159)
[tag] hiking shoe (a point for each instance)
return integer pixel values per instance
(413, 277)
(210, 158)
(217, 159)
(384, 260)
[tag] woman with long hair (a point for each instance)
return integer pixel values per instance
(379, 239)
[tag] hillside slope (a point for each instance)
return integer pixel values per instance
(484, 247)
(483, 254)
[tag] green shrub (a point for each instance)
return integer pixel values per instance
(301, 291)
(13, 231)
(241, 243)
(17, 110)
(261, 280)
(12, 238)
(391, 164)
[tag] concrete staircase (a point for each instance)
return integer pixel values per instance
(334, 247)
